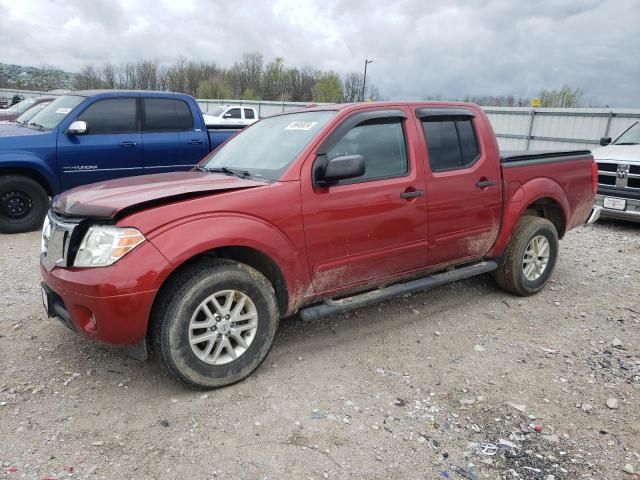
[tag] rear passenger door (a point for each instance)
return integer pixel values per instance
(111, 147)
(249, 115)
(170, 139)
(463, 186)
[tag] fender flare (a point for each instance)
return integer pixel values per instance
(518, 198)
(26, 161)
(181, 241)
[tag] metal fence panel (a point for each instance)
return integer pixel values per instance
(522, 128)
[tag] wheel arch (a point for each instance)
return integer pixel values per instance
(540, 197)
(550, 209)
(249, 256)
(33, 170)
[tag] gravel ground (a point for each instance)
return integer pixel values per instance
(408, 389)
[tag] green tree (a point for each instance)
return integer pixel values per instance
(274, 81)
(250, 94)
(214, 87)
(565, 97)
(328, 88)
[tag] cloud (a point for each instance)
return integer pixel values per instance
(420, 48)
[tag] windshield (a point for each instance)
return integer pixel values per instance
(28, 115)
(23, 106)
(630, 137)
(269, 146)
(50, 116)
(216, 111)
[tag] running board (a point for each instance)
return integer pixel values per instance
(332, 307)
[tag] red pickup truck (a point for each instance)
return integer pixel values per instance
(312, 212)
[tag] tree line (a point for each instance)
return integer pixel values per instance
(248, 79)
(564, 97)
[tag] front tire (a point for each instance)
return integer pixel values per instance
(530, 257)
(215, 324)
(23, 204)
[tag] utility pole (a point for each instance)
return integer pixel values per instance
(364, 80)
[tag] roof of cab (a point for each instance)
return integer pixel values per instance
(386, 104)
(115, 93)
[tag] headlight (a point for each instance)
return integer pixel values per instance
(104, 245)
(46, 234)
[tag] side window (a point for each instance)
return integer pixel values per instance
(113, 115)
(166, 115)
(234, 113)
(248, 114)
(382, 145)
(452, 144)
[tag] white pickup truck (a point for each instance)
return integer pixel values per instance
(619, 175)
(230, 115)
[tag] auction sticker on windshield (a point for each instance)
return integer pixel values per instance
(300, 125)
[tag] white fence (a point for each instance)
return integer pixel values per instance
(517, 128)
(521, 128)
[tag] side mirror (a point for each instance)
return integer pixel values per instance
(604, 141)
(327, 173)
(226, 115)
(77, 128)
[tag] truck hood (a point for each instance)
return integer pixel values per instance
(621, 153)
(113, 198)
(13, 130)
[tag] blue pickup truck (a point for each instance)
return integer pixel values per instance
(90, 136)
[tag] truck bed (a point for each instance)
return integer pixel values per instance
(570, 170)
(509, 157)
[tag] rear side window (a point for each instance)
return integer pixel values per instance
(248, 114)
(452, 144)
(113, 115)
(233, 113)
(166, 115)
(381, 143)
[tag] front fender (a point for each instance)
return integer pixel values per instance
(197, 235)
(29, 162)
(518, 198)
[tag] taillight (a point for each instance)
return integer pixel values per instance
(594, 177)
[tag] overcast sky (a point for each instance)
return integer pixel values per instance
(420, 48)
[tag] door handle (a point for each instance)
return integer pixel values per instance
(412, 194)
(485, 183)
(128, 144)
(195, 141)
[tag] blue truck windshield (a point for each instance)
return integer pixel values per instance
(51, 115)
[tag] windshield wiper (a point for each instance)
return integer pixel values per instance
(38, 126)
(226, 170)
(627, 143)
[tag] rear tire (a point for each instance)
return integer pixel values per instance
(23, 204)
(236, 339)
(530, 257)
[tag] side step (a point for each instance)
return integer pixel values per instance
(332, 307)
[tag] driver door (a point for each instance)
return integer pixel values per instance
(111, 148)
(374, 226)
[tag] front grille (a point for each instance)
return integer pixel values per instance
(621, 177)
(57, 241)
(607, 167)
(606, 180)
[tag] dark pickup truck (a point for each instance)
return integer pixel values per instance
(314, 212)
(90, 136)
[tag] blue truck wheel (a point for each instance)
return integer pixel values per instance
(23, 204)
